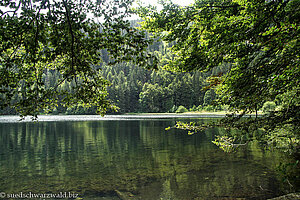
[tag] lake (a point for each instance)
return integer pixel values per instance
(131, 157)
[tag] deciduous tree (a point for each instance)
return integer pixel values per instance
(257, 39)
(68, 37)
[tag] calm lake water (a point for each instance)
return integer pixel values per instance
(105, 158)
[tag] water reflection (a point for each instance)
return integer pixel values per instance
(96, 158)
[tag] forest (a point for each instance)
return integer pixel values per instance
(74, 57)
(237, 55)
(136, 89)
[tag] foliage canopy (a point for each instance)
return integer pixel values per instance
(67, 37)
(259, 39)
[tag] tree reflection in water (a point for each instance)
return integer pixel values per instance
(96, 158)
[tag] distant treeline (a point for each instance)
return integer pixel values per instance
(135, 89)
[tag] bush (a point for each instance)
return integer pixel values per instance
(268, 107)
(55, 111)
(194, 108)
(80, 110)
(225, 107)
(181, 109)
(173, 109)
(279, 108)
(70, 111)
(218, 108)
(199, 108)
(209, 108)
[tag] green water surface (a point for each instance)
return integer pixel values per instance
(96, 159)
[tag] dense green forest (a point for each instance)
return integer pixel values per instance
(136, 89)
(66, 39)
(87, 57)
(243, 53)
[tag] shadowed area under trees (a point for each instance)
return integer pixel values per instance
(259, 40)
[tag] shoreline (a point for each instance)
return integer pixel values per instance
(125, 116)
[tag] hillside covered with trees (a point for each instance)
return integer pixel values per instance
(72, 57)
(56, 59)
(136, 89)
(46, 45)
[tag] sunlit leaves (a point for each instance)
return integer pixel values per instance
(225, 143)
(191, 127)
(258, 39)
